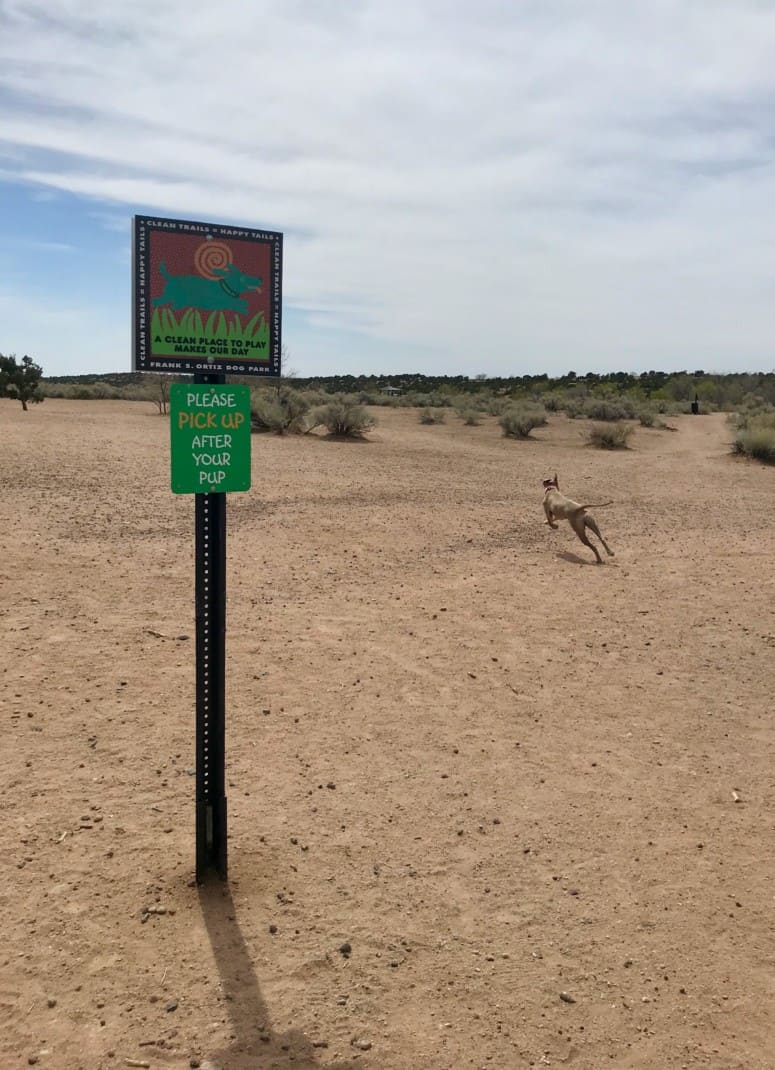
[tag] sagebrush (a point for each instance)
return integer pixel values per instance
(283, 412)
(519, 422)
(755, 437)
(610, 436)
(345, 418)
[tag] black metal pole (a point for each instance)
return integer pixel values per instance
(210, 597)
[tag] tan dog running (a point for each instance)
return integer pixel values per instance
(558, 507)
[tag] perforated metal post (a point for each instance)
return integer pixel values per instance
(210, 554)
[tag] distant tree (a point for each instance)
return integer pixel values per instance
(162, 394)
(286, 374)
(20, 381)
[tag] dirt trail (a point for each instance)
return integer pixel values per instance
(533, 795)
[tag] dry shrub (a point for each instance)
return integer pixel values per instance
(757, 439)
(344, 418)
(519, 422)
(610, 436)
(621, 409)
(283, 412)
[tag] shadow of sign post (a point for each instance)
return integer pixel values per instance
(255, 1044)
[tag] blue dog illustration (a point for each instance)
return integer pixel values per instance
(193, 291)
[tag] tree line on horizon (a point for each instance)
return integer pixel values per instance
(712, 390)
(295, 403)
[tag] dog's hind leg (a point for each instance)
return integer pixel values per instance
(589, 521)
(578, 523)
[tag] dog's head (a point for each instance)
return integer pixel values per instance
(551, 484)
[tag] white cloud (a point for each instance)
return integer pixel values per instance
(545, 184)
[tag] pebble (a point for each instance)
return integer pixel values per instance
(566, 998)
(345, 949)
(51, 1003)
(172, 1005)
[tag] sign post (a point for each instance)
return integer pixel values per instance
(210, 454)
(210, 602)
(207, 302)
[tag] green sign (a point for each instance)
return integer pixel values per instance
(209, 438)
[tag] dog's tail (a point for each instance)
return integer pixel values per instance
(163, 270)
(597, 505)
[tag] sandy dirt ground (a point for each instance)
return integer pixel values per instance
(534, 796)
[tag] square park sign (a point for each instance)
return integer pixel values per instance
(206, 298)
(209, 438)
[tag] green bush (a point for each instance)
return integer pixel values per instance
(470, 417)
(519, 422)
(344, 418)
(610, 436)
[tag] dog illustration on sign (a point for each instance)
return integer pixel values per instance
(219, 286)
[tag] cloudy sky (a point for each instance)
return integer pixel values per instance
(500, 187)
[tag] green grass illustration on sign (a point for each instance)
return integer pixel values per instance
(216, 336)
